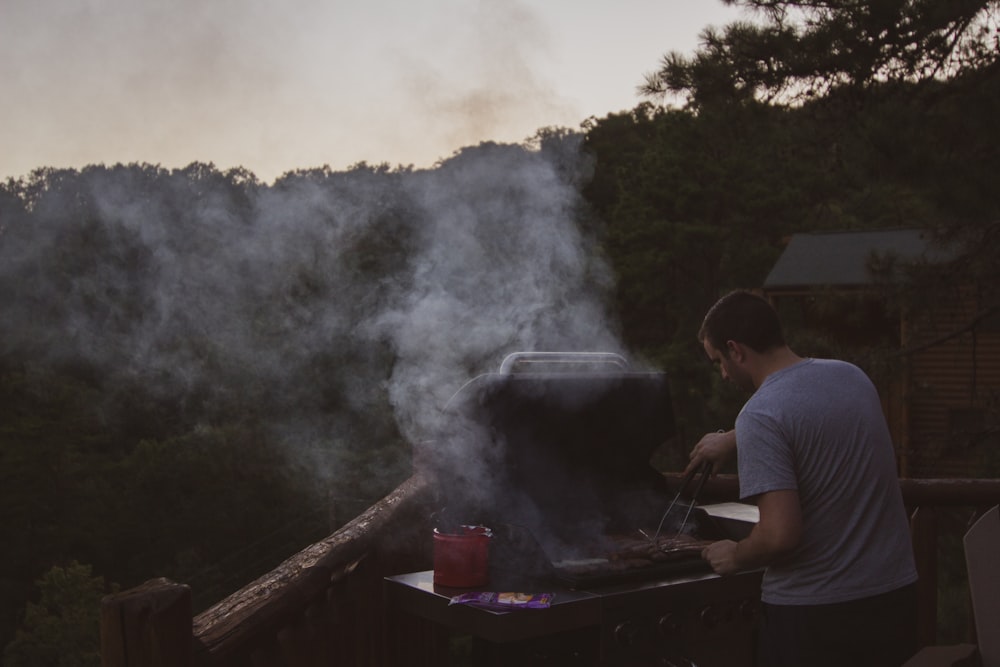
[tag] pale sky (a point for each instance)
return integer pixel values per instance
(287, 84)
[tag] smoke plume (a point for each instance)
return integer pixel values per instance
(350, 303)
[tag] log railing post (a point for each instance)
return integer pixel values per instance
(147, 626)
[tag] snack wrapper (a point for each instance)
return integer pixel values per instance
(504, 601)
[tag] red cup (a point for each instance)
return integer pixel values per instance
(461, 560)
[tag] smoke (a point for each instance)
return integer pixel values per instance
(343, 301)
(502, 267)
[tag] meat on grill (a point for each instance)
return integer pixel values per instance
(667, 547)
(628, 552)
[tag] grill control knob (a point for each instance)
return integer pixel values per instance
(668, 624)
(627, 634)
(709, 617)
(748, 609)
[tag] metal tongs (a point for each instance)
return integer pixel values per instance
(705, 470)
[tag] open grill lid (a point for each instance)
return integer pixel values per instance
(585, 406)
(570, 440)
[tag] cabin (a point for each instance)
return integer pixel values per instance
(936, 361)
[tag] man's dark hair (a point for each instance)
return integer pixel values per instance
(744, 317)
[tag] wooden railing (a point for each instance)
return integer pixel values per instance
(323, 606)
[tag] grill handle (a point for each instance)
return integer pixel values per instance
(607, 358)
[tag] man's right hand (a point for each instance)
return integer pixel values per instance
(713, 447)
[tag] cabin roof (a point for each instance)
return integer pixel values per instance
(841, 259)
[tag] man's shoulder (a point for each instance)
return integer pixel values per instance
(820, 365)
(809, 378)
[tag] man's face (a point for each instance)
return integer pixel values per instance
(729, 363)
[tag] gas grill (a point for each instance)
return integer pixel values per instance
(552, 453)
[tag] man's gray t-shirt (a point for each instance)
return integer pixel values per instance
(817, 427)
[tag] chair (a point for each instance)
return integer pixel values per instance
(982, 553)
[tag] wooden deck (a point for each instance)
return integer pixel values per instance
(323, 605)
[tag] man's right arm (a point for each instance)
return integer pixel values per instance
(715, 448)
(777, 533)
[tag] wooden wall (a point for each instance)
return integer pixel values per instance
(942, 399)
(953, 389)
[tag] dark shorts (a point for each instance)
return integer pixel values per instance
(879, 631)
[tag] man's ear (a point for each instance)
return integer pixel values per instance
(734, 350)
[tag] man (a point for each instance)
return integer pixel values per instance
(814, 453)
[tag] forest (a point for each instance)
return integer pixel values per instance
(200, 373)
